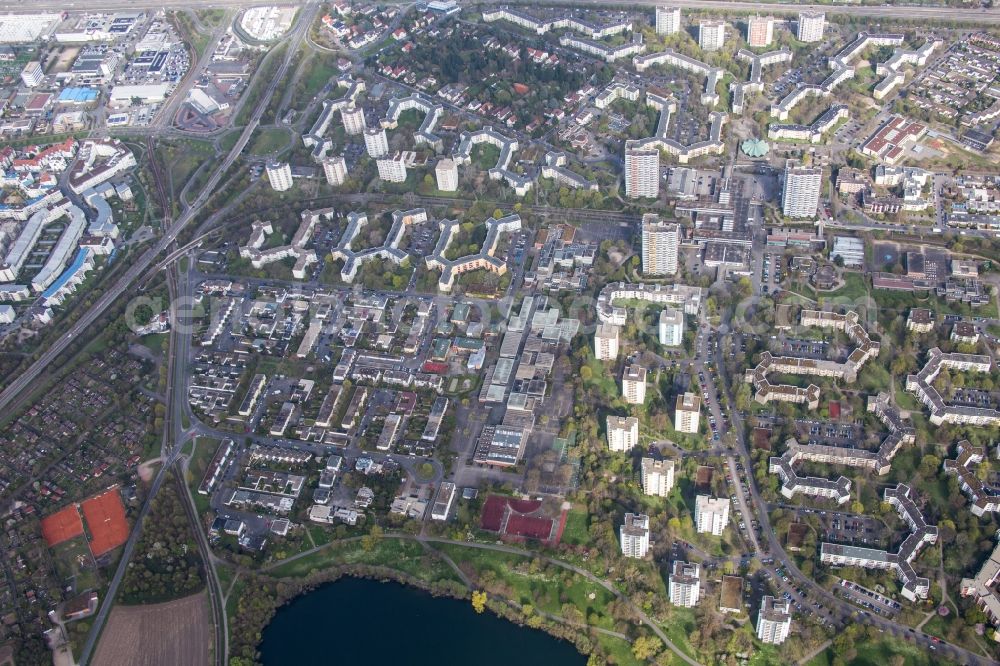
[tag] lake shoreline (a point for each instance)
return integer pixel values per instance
(501, 611)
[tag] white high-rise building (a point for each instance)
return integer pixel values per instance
(354, 119)
(760, 31)
(642, 173)
(32, 74)
(811, 26)
(671, 327)
(711, 514)
(711, 35)
(623, 433)
(446, 172)
(774, 620)
(335, 170)
(661, 242)
(376, 142)
(606, 342)
(279, 174)
(687, 413)
(800, 194)
(657, 476)
(634, 384)
(668, 20)
(684, 584)
(635, 535)
(392, 169)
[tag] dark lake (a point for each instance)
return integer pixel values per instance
(355, 621)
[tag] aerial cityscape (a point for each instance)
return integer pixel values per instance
(573, 333)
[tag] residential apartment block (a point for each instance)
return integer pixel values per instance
(623, 433)
(634, 535)
(711, 514)
(657, 476)
(684, 584)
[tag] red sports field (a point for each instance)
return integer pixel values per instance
(62, 526)
(521, 519)
(105, 516)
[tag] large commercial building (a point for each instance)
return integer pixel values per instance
(711, 35)
(671, 327)
(606, 342)
(774, 620)
(642, 173)
(811, 26)
(660, 244)
(668, 20)
(623, 433)
(280, 175)
(684, 584)
(657, 476)
(800, 194)
(634, 384)
(687, 413)
(711, 514)
(635, 535)
(760, 31)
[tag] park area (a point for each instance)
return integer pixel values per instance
(176, 632)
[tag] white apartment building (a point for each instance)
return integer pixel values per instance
(687, 413)
(668, 20)
(392, 169)
(811, 26)
(279, 174)
(657, 476)
(760, 31)
(376, 142)
(774, 620)
(660, 245)
(623, 433)
(354, 119)
(800, 194)
(642, 173)
(32, 74)
(635, 535)
(684, 584)
(711, 514)
(335, 170)
(711, 35)
(606, 342)
(446, 173)
(634, 384)
(671, 327)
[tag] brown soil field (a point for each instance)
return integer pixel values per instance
(177, 632)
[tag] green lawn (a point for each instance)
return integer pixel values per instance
(404, 555)
(577, 527)
(877, 654)
(268, 140)
(546, 589)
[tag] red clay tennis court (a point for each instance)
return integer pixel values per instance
(105, 515)
(62, 525)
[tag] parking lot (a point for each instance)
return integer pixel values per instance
(826, 432)
(854, 530)
(869, 599)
